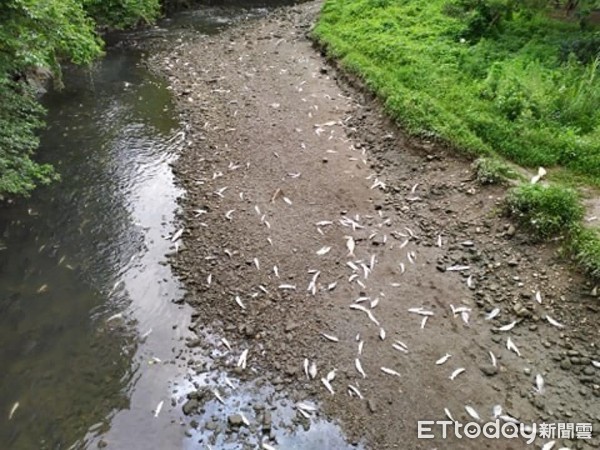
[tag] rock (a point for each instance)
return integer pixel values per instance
(235, 420)
(190, 406)
(291, 326)
(489, 370)
(211, 426)
(102, 443)
(565, 364)
(267, 422)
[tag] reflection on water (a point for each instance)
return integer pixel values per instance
(110, 135)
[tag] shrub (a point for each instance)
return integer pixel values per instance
(493, 171)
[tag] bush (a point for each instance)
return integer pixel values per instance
(493, 171)
(585, 246)
(545, 211)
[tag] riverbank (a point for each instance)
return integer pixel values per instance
(283, 160)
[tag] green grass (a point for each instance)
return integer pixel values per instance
(494, 171)
(516, 91)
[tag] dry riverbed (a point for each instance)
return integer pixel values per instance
(315, 230)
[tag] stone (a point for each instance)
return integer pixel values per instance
(489, 370)
(235, 420)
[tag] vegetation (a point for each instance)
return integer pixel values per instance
(489, 76)
(493, 171)
(35, 37)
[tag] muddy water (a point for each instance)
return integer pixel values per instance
(90, 320)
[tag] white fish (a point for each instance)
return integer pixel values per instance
(507, 327)
(535, 179)
(350, 245)
(327, 385)
(448, 415)
(228, 214)
(238, 300)
(493, 313)
(209, 279)
(548, 445)
(199, 212)
(390, 371)
(457, 268)
(355, 391)
(323, 251)
(266, 446)
(596, 364)
(494, 360)
(294, 174)
(421, 311)
(470, 281)
(402, 268)
(306, 407)
(323, 223)
(439, 240)
(177, 235)
(329, 337)
(287, 200)
(457, 372)
(471, 411)
(114, 317)
(360, 347)
(312, 370)
(443, 359)
(509, 419)
(399, 348)
(539, 384)
(243, 359)
(245, 419)
(13, 410)
(229, 383)
(554, 322)
(424, 322)
(331, 375)
(306, 368)
(510, 345)
(218, 396)
(256, 263)
(158, 408)
(226, 343)
(374, 303)
(382, 334)
(288, 287)
(538, 297)
(331, 286)
(352, 265)
(372, 262)
(496, 411)
(404, 243)
(276, 271)
(219, 192)
(358, 366)
(465, 315)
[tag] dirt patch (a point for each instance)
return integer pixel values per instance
(284, 161)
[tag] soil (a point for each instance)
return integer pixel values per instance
(279, 140)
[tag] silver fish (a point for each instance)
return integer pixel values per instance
(554, 322)
(382, 334)
(323, 223)
(492, 314)
(424, 322)
(238, 300)
(266, 446)
(510, 345)
(256, 263)
(470, 281)
(496, 411)
(329, 337)
(443, 359)
(257, 209)
(13, 410)
(508, 419)
(245, 419)
(306, 407)
(548, 445)
(596, 364)
(287, 200)
(331, 286)
(360, 347)
(457, 268)
(228, 214)
(355, 390)
(402, 268)
(439, 241)
(327, 385)
(289, 287)
(507, 327)
(243, 359)
(350, 245)
(276, 271)
(448, 415)
(538, 297)
(226, 343)
(331, 375)
(421, 311)
(539, 384)
(457, 372)
(306, 368)
(374, 303)
(471, 411)
(158, 408)
(400, 348)
(390, 371)
(358, 366)
(312, 370)
(218, 396)
(323, 251)
(494, 360)
(209, 279)
(177, 235)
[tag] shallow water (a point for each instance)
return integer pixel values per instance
(90, 333)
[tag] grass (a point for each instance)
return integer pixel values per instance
(518, 91)
(526, 89)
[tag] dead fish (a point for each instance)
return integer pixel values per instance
(209, 279)
(323, 251)
(323, 223)
(226, 343)
(399, 348)
(266, 446)
(294, 174)
(306, 368)
(420, 311)
(218, 396)
(382, 334)
(327, 385)
(350, 245)
(366, 270)
(244, 419)
(439, 241)
(270, 241)
(331, 286)
(509, 419)
(548, 445)
(424, 322)
(158, 408)
(330, 337)
(494, 360)
(358, 366)
(331, 375)
(457, 268)
(352, 277)
(243, 359)
(177, 235)
(219, 192)
(470, 281)
(536, 178)
(114, 317)
(263, 289)
(507, 327)
(228, 214)
(443, 359)
(448, 415)
(539, 384)
(361, 284)
(496, 411)
(229, 383)
(411, 257)
(306, 407)
(554, 322)
(276, 271)
(378, 184)
(355, 390)
(360, 347)
(456, 373)
(312, 370)
(353, 266)
(404, 244)
(538, 297)
(238, 300)
(287, 200)
(471, 411)
(596, 364)
(256, 263)
(13, 410)
(199, 212)
(402, 268)
(43, 288)
(287, 287)
(492, 314)
(372, 262)
(374, 303)
(512, 347)
(390, 371)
